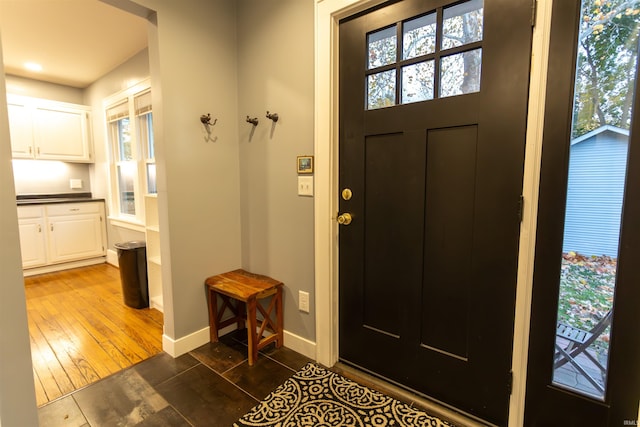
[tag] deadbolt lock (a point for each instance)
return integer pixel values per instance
(347, 194)
(344, 219)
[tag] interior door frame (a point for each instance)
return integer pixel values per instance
(328, 14)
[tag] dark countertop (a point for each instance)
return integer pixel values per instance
(40, 199)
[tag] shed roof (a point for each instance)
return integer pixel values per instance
(601, 129)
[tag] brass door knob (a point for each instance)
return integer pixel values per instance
(344, 219)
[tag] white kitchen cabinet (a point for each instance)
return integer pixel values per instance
(21, 130)
(33, 243)
(43, 129)
(75, 231)
(61, 235)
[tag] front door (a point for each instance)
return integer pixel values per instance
(433, 103)
(584, 348)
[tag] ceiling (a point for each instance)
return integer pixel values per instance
(75, 41)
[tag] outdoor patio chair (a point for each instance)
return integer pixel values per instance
(579, 341)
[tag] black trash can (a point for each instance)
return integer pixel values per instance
(132, 259)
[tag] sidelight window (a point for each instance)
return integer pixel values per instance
(602, 111)
(415, 67)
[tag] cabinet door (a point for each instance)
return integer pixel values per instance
(75, 237)
(61, 134)
(32, 242)
(20, 129)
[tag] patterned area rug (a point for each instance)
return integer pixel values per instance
(316, 397)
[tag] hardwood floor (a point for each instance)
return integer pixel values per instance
(81, 330)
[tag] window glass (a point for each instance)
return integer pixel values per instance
(460, 73)
(124, 140)
(417, 82)
(381, 89)
(605, 80)
(462, 24)
(152, 186)
(382, 47)
(126, 187)
(419, 36)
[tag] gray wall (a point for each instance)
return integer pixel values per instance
(37, 89)
(194, 71)
(275, 73)
(17, 395)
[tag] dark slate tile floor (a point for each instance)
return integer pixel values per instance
(211, 386)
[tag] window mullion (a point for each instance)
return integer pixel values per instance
(436, 72)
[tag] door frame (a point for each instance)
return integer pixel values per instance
(328, 13)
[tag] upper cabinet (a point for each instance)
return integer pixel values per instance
(43, 129)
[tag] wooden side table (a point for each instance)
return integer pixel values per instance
(245, 289)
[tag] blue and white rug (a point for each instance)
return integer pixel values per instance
(316, 397)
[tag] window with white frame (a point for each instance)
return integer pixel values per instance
(132, 159)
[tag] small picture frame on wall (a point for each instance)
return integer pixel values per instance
(305, 164)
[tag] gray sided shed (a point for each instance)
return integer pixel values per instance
(597, 169)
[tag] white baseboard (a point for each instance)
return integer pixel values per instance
(156, 302)
(63, 266)
(112, 257)
(183, 345)
(299, 344)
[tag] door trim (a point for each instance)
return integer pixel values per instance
(328, 15)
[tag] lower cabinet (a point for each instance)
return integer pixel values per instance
(62, 233)
(33, 243)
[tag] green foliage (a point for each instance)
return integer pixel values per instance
(606, 64)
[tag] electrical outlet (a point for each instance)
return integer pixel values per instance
(303, 301)
(305, 186)
(75, 184)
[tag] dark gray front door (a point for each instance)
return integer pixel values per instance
(433, 102)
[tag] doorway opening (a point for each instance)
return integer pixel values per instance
(80, 328)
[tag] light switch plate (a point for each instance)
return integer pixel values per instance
(303, 301)
(75, 184)
(305, 186)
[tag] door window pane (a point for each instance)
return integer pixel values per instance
(419, 36)
(382, 47)
(604, 85)
(462, 24)
(417, 82)
(381, 89)
(460, 73)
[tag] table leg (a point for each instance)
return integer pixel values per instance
(279, 318)
(251, 331)
(213, 316)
